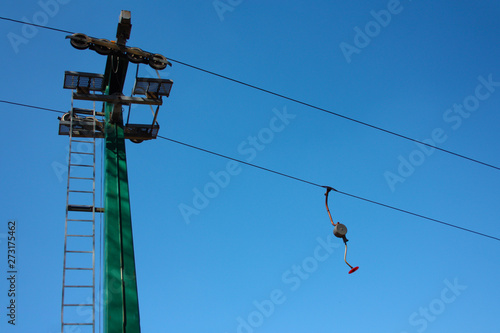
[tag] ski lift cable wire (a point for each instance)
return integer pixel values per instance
(329, 188)
(295, 101)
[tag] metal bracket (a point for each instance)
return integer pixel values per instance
(117, 99)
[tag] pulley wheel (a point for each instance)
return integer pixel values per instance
(340, 230)
(66, 117)
(79, 41)
(158, 62)
(135, 58)
(101, 49)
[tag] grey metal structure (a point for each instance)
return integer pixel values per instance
(78, 307)
(89, 87)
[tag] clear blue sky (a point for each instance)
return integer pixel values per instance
(425, 69)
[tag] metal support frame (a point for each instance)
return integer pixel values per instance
(121, 304)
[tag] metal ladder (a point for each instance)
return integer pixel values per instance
(78, 307)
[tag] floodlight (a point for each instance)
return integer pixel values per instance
(84, 81)
(152, 87)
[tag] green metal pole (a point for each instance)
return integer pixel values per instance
(121, 306)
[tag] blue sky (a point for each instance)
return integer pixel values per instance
(259, 255)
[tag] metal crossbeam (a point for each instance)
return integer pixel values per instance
(117, 99)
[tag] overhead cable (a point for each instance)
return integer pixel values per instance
(290, 177)
(298, 102)
(31, 106)
(326, 187)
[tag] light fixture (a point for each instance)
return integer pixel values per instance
(153, 88)
(83, 82)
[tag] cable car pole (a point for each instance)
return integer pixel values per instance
(121, 305)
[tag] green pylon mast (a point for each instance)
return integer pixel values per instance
(121, 306)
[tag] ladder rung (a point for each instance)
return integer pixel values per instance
(70, 286)
(80, 208)
(71, 324)
(84, 208)
(78, 220)
(82, 165)
(81, 152)
(79, 269)
(78, 304)
(79, 191)
(81, 141)
(84, 178)
(79, 235)
(71, 251)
